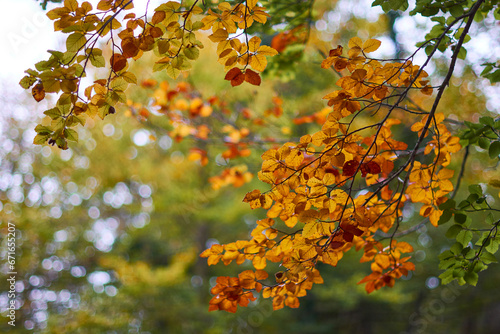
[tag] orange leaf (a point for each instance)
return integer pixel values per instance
(38, 92)
(158, 17)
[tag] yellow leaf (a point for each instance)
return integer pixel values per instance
(435, 216)
(252, 3)
(266, 51)
(258, 62)
(355, 42)
(275, 210)
(71, 4)
(371, 45)
(259, 263)
(309, 230)
(308, 216)
(219, 35)
(253, 44)
(104, 5)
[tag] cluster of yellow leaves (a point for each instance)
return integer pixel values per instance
(427, 184)
(315, 183)
(231, 50)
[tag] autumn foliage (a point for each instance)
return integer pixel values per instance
(337, 189)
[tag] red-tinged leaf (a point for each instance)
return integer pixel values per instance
(38, 92)
(232, 73)
(348, 236)
(370, 287)
(252, 77)
(350, 168)
(370, 167)
(118, 62)
(336, 52)
(235, 76)
(238, 80)
(336, 244)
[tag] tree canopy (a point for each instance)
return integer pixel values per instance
(367, 141)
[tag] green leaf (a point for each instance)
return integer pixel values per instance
(58, 124)
(471, 278)
(446, 255)
(449, 204)
(192, 53)
(40, 129)
(476, 189)
(453, 231)
(447, 277)
(104, 111)
(469, 253)
(484, 143)
(486, 120)
(172, 71)
(460, 218)
(494, 150)
(129, 77)
(445, 217)
(71, 134)
(75, 41)
(457, 11)
(41, 139)
(53, 113)
(456, 248)
(80, 119)
(462, 53)
(493, 246)
(160, 66)
(97, 60)
(118, 84)
(488, 258)
(27, 81)
(445, 264)
(464, 237)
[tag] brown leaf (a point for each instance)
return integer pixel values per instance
(336, 52)
(252, 77)
(370, 167)
(118, 62)
(130, 47)
(232, 73)
(156, 32)
(235, 76)
(38, 92)
(158, 17)
(350, 168)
